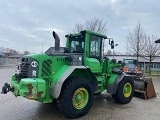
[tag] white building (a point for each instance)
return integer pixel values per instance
(143, 62)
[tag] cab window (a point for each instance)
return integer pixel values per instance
(95, 46)
(77, 44)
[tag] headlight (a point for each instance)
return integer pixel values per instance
(34, 73)
(34, 64)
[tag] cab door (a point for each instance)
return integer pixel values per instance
(95, 54)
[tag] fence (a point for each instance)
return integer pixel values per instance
(9, 61)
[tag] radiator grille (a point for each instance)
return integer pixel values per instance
(24, 68)
(46, 68)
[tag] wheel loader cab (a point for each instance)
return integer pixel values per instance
(90, 45)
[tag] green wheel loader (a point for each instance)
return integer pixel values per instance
(71, 76)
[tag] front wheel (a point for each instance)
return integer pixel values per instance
(125, 91)
(76, 97)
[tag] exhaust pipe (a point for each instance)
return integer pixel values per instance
(57, 41)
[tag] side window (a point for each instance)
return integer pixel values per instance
(95, 46)
(73, 45)
(77, 46)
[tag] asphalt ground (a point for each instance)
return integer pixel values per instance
(104, 107)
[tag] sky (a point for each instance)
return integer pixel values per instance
(28, 24)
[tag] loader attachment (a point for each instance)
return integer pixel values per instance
(144, 88)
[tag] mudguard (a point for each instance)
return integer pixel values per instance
(57, 86)
(112, 88)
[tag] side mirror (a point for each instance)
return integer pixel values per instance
(112, 44)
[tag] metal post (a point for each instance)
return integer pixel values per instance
(113, 49)
(42, 47)
(113, 53)
(144, 67)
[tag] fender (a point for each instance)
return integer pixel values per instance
(112, 88)
(57, 86)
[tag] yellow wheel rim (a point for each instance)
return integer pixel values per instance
(80, 98)
(127, 89)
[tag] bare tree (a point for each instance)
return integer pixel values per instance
(9, 50)
(78, 27)
(135, 42)
(2, 49)
(12, 51)
(26, 52)
(95, 24)
(151, 49)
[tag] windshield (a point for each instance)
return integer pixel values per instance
(128, 61)
(76, 44)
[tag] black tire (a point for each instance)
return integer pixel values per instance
(114, 96)
(64, 101)
(119, 95)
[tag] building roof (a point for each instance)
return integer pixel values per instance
(141, 59)
(16, 56)
(1, 53)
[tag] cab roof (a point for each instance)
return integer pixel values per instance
(90, 32)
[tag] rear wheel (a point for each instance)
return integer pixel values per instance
(125, 91)
(76, 97)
